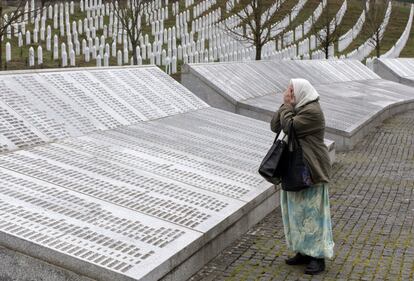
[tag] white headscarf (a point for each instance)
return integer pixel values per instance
(304, 91)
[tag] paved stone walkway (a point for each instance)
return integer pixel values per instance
(372, 207)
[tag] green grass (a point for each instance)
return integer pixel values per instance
(350, 18)
(395, 28)
(362, 37)
(351, 15)
(308, 10)
(285, 9)
(408, 50)
(329, 12)
(304, 14)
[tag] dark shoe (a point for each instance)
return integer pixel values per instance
(298, 259)
(315, 266)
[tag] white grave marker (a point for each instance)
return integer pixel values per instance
(31, 57)
(8, 52)
(106, 59)
(72, 58)
(87, 54)
(39, 55)
(119, 57)
(28, 41)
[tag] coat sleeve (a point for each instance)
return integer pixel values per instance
(275, 122)
(306, 121)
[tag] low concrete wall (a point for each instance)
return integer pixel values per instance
(348, 142)
(387, 73)
(198, 87)
(384, 72)
(224, 239)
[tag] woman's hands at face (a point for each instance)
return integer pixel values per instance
(288, 96)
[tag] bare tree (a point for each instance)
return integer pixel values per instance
(375, 23)
(9, 15)
(129, 14)
(326, 30)
(257, 20)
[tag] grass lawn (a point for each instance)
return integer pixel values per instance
(328, 14)
(395, 28)
(408, 51)
(396, 25)
(304, 14)
(350, 18)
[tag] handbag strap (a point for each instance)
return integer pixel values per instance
(277, 135)
(292, 137)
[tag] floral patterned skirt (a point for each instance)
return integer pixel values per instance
(307, 221)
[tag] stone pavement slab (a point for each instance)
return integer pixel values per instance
(372, 207)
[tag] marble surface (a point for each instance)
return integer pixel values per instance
(246, 80)
(121, 173)
(403, 67)
(351, 94)
(399, 70)
(39, 107)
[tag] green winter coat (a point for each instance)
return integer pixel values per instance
(309, 123)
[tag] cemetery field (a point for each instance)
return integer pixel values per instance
(363, 36)
(398, 20)
(20, 55)
(306, 12)
(351, 16)
(208, 41)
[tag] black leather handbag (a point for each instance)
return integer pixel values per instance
(271, 168)
(297, 175)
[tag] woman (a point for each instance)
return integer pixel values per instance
(306, 215)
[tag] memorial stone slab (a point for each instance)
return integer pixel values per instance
(400, 70)
(8, 52)
(124, 174)
(353, 97)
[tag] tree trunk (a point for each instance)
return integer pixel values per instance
(282, 43)
(377, 45)
(258, 52)
(1, 53)
(134, 52)
(327, 39)
(1, 35)
(258, 29)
